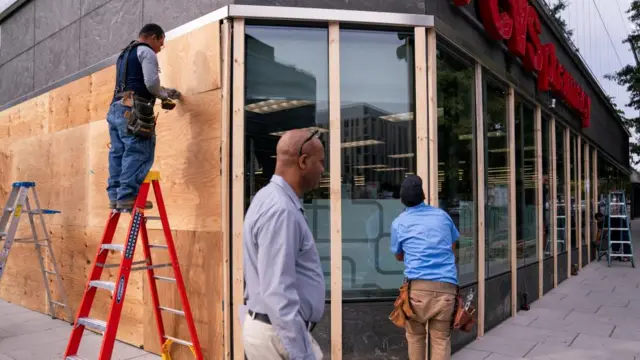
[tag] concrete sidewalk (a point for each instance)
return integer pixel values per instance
(595, 315)
(29, 335)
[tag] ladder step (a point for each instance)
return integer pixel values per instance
(154, 246)
(164, 278)
(43, 212)
(618, 216)
(74, 358)
(114, 247)
(619, 229)
(50, 272)
(151, 267)
(181, 342)
(93, 324)
(111, 266)
(177, 312)
(152, 217)
(59, 304)
(107, 285)
(620, 242)
(621, 255)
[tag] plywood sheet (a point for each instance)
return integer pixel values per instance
(102, 84)
(191, 62)
(70, 105)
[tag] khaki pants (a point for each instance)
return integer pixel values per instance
(433, 305)
(261, 342)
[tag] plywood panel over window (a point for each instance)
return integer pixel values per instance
(60, 140)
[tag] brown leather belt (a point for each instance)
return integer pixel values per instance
(265, 319)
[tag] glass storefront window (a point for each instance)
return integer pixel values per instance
(496, 179)
(585, 194)
(456, 154)
(526, 185)
(287, 88)
(378, 151)
(561, 210)
(546, 187)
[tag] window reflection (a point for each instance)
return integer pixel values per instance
(526, 184)
(378, 151)
(497, 179)
(456, 154)
(560, 189)
(546, 187)
(574, 190)
(287, 88)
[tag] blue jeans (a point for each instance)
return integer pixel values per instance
(130, 157)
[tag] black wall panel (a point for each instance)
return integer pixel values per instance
(585, 259)
(562, 267)
(574, 257)
(547, 275)
(497, 300)
(528, 283)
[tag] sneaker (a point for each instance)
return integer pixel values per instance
(127, 205)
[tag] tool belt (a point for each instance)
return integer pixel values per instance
(265, 319)
(402, 310)
(141, 120)
(463, 319)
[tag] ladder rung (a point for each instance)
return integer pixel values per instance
(59, 304)
(43, 212)
(620, 242)
(151, 267)
(164, 278)
(93, 324)
(50, 272)
(177, 312)
(181, 342)
(114, 247)
(152, 217)
(621, 255)
(74, 358)
(618, 229)
(155, 246)
(111, 266)
(107, 285)
(618, 216)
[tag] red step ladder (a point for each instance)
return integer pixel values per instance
(109, 328)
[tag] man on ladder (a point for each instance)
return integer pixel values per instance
(131, 116)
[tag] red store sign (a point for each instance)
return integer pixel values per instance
(517, 23)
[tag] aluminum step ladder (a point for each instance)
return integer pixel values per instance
(109, 327)
(18, 204)
(618, 233)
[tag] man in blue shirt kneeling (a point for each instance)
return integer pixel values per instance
(424, 237)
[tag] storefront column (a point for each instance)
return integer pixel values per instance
(335, 127)
(579, 185)
(425, 164)
(594, 184)
(511, 114)
(539, 198)
(480, 203)
(554, 201)
(588, 217)
(567, 192)
(237, 193)
(225, 182)
(432, 81)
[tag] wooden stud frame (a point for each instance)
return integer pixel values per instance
(554, 200)
(578, 188)
(433, 116)
(539, 198)
(237, 193)
(587, 200)
(512, 199)
(422, 125)
(225, 182)
(567, 196)
(594, 182)
(480, 204)
(335, 126)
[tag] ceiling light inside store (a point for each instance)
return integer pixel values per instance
(391, 169)
(312, 128)
(361, 143)
(269, 106)
(398, 156)
(398, 117)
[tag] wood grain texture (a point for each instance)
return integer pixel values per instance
(480, 203)
(61, 141)
(567, 191)
(578, 187)
(554, 200)
(432, 83)
(539, 199)
(422, 126)
(587, 200)
(335, 186)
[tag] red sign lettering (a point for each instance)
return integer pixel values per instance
(517, 22)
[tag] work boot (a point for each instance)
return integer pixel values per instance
(113, 204)
(127, 205)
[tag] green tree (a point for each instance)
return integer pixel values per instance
(556, 11)
(629, 77)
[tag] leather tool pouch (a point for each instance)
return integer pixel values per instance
(141, 121)
(463, 319)
(402, 307)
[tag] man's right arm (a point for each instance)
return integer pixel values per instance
(150, 69)
(278, 245)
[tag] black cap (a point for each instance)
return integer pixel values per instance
(411, 193)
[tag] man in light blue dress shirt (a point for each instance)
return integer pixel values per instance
(424, 237)
(285, 286)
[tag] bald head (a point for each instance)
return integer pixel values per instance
(304, 169)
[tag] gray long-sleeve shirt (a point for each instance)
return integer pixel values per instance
(282, 269)
(151, 71)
